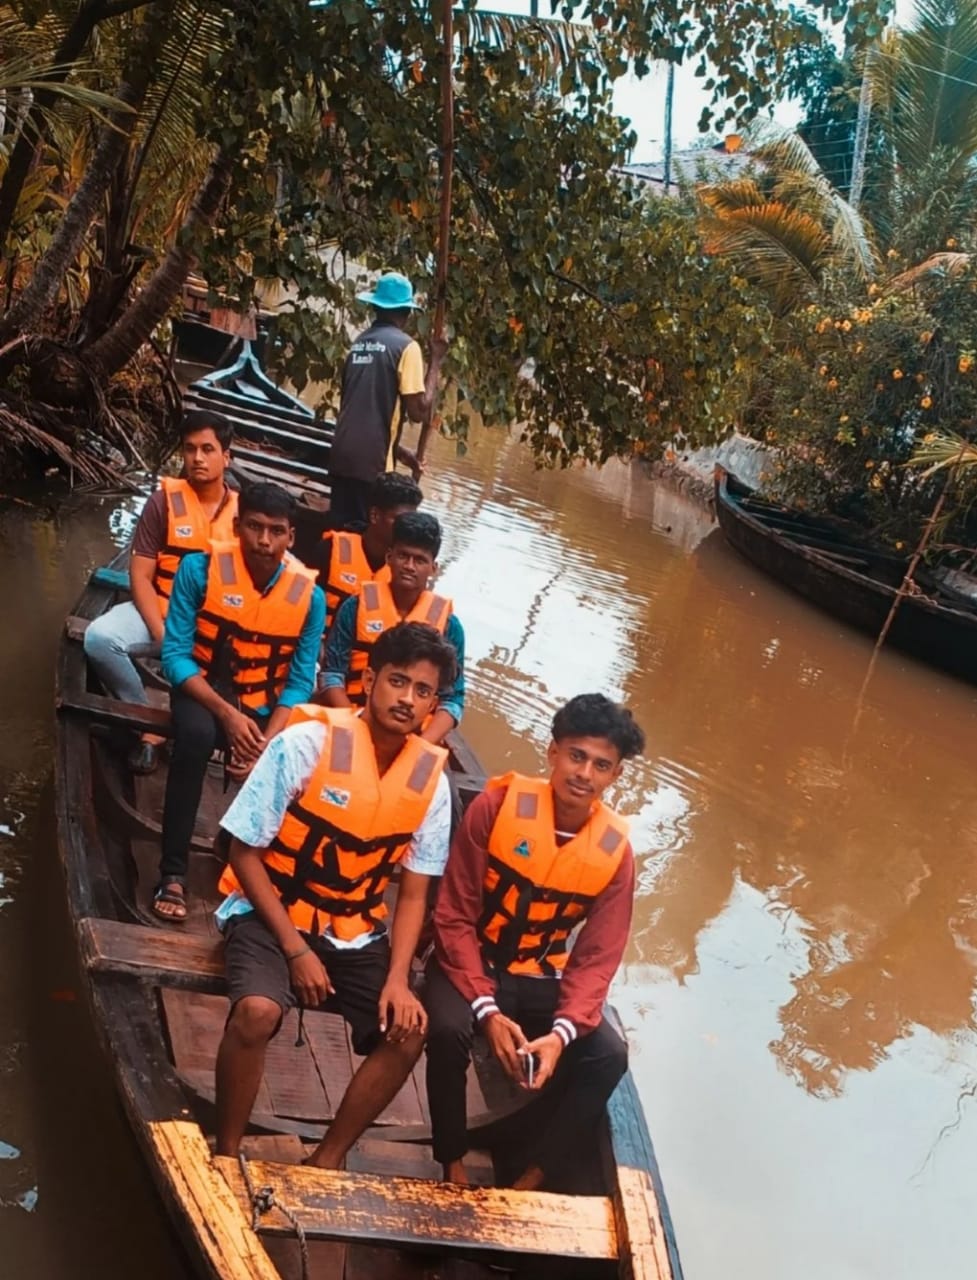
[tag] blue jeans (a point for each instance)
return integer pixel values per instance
(111, 642)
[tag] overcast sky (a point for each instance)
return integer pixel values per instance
(643, 101)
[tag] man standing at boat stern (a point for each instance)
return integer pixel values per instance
(336, 802)
(534, 860)
(180, 518)
(240, 648)
(383, 380)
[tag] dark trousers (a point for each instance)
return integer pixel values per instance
(585, 1077)
(349, 501)
(196, 735)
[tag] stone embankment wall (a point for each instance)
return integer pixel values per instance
(691, 472)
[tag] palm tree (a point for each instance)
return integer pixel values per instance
(785, 226)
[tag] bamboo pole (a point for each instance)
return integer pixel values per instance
(905, 588)
(447, 168)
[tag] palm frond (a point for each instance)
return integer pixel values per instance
(941, 451)
(799, 176)
(937, 265)
(559, 42)
(780, 249)
(727, 197)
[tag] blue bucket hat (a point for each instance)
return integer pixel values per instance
(393, 293)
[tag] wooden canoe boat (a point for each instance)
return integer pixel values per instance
(157, 996)
(832, 565)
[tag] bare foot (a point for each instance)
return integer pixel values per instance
(454, 1171)
(531, 1180)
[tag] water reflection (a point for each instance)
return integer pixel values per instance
(799, 984)
(805, 935)
(75, 1199)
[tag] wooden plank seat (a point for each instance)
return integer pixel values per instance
(288, 432)
(245, 466)
(340, 1205)
(185, 960)
(226, 394)
(289, 466)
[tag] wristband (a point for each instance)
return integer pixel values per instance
(295, 954)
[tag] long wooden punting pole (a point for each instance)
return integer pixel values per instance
(905, 588)
(447, 168)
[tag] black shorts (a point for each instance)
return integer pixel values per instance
(255, 965)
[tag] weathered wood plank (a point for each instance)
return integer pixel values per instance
(644, 1228)
(295, 1085)
(75, 628)
(175, 959)
(330, 1051)
(195, 1023)
(184, 1159)
(412, 1160)
(109, 711)
(327, 1258)
(333, 1204)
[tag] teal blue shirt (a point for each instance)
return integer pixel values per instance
(339, 652)
(189, 593)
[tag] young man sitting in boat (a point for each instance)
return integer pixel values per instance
(534, 860)
(337, 800)
(414, 546)
(357, 554)
(181, 517)
(239, 649)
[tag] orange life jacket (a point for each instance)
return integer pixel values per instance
(340, 840)
(376, 613)
(188, 529)
(248, 635)
(536, 892)
(348, 570)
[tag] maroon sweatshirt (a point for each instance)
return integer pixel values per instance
(596, 953)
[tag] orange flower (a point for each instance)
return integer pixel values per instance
(927, 402)
(823, 370)
(897, 374)
(832, 384)
(515, 325)
(965, 364)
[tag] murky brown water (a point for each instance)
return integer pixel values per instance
(799, 988)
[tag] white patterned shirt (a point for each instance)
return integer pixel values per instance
(282, 773)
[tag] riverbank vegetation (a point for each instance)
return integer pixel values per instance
(869, 391)
(279, 141)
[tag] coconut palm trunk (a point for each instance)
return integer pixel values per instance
(41, 291)
(116, 347)
(34, 128)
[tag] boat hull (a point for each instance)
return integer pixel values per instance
(158, 1002)
(935, 633)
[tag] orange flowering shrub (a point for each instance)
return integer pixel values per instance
(853, 388)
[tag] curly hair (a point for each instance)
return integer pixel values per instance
(591, 715)
(411, 642)
(266, 499)
(417, 529)
(393, 489)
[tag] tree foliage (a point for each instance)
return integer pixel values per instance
(297, 143)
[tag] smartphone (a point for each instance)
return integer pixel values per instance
(529, 1061)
